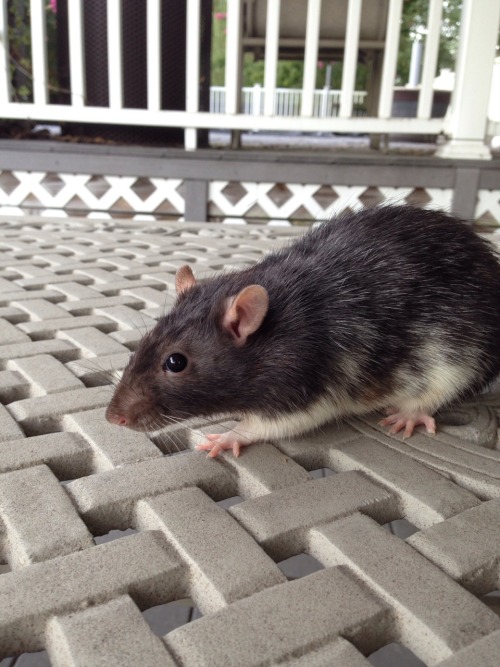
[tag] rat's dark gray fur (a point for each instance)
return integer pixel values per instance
(386, 305)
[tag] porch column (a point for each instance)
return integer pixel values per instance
(466, 126)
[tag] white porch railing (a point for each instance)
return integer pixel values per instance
(465, 123)
(287, 101)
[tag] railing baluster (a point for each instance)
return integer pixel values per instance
(39, 52)
(153, 44)
(5, 92)
(233, 56)
(310, 56)
(115, 61)
(350, 58)
(76, 53)
(310, 107)
(390, 58)
(271, 55)
(430, 59)
(192, 69)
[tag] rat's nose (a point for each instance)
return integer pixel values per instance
(115, 418)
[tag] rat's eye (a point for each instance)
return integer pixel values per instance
(175, 363)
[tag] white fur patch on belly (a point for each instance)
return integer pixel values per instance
(321, 411)
(440, 383)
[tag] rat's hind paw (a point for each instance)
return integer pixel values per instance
(219, 441)
(400, 421)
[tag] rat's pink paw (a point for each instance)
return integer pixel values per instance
(399, 421)
(220, 441)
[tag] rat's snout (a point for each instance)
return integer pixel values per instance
(129, 407)
(116, 418)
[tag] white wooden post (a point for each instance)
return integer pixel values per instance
(271, 56)
(415, 62)
(153, 57)
(311, 57)
(5, 93)
(39, 52)
(115, 61)
(192, 70)
(233, 56)
(234, 28)
(256, 99)
(390, 58)
(324, 102)
(430, 59)
(467, 121)
(350, 58)
(76, 53)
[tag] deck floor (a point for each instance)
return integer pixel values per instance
(349, 546)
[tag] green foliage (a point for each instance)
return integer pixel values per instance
(290, 72)
(19, 35)
(414, 23)
(336, 75)
(218, 43)
(20, 51)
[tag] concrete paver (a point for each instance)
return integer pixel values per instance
(75, 297)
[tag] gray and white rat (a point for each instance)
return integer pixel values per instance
(393, 308)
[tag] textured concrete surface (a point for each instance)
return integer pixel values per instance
(346, 547)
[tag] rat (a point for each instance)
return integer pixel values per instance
(393, 308)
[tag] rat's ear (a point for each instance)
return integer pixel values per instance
(245, 313)
(184, 279)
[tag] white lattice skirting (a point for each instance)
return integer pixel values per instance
(86, 195)
(100, 196)
(278, 202)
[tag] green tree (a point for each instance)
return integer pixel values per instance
(290, 72)
(218, 63)
(20, 57)
(414, 24)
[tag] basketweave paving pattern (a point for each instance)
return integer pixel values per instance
(75, 297)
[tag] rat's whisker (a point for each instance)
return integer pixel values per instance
(216, 424)
(91, 365)
(145, 331)
(158, 427)
(179, 422)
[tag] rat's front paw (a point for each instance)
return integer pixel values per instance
(220, 441)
